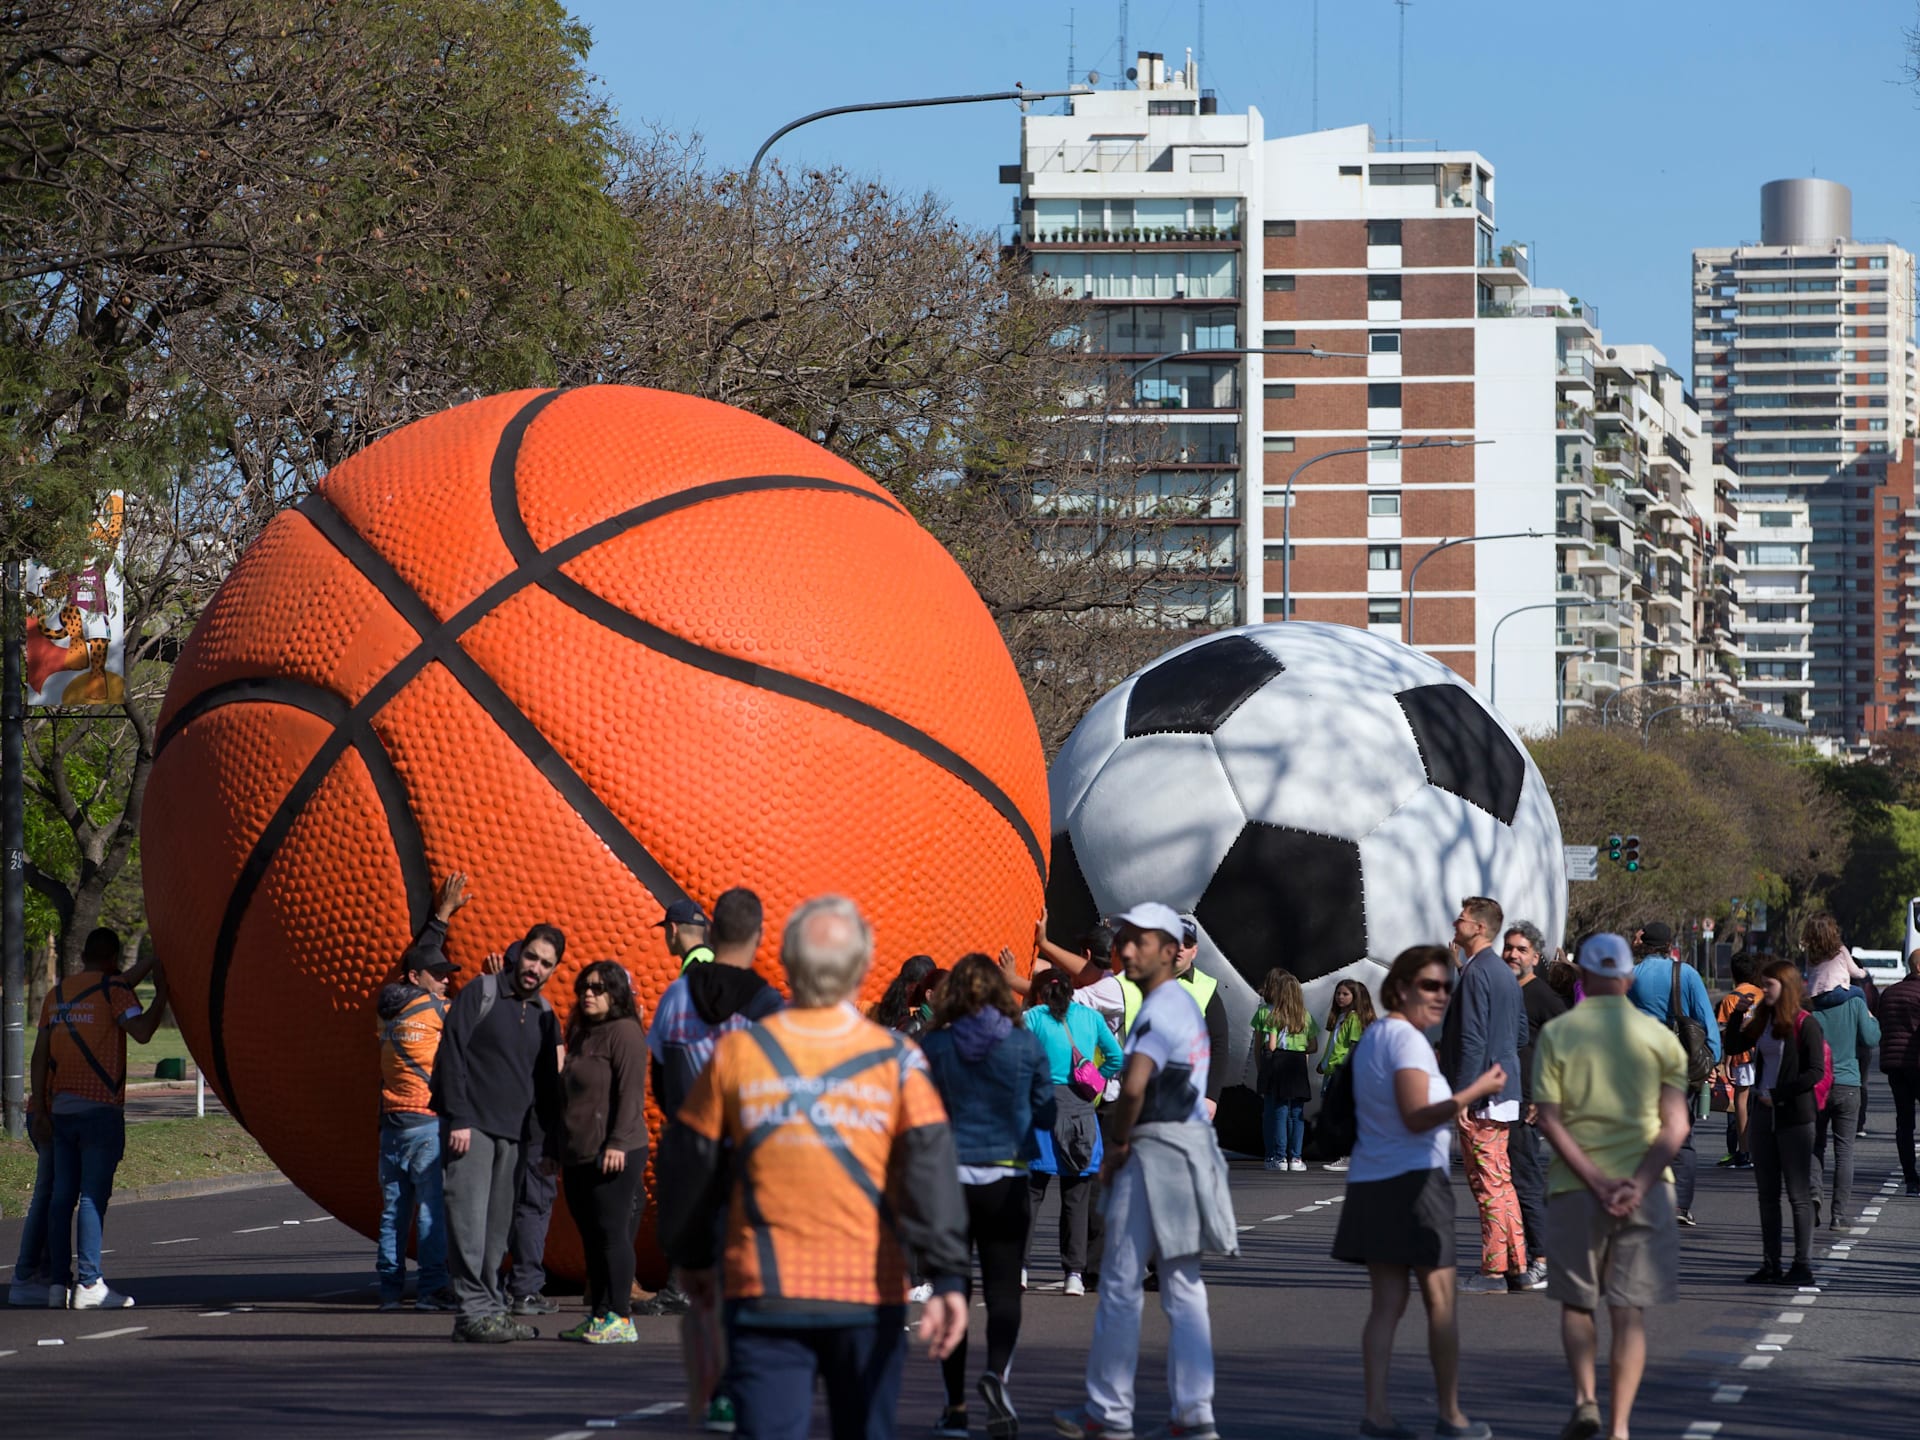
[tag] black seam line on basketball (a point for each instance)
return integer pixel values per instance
(409, 844)
(504, 484)
(438, 641)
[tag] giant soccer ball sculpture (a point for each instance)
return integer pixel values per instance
(599, 649)
(1319, 796)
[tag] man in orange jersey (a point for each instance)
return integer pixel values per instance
(411, 1012)
(79, 1099)
(822, 1135)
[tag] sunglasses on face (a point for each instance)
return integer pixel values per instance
(594, 987)
(1435, 987)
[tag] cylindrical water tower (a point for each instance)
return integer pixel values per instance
(1805, 212)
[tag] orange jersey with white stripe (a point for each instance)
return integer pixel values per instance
(409, 1041)
(811, 1105)
(83, 1019)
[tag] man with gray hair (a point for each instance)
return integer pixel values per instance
(827, 1131)
(1523, 951)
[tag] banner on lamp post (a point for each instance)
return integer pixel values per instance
(76, 622)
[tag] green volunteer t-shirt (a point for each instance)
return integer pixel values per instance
(1604, 1063)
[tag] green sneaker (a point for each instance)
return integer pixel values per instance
(584, 1330)
(720, 1417)
(613, 1330)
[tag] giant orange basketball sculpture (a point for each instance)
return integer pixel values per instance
(600, 649)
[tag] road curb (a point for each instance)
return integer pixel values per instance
(189, 1189)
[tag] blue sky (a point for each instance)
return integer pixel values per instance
(1623, 134)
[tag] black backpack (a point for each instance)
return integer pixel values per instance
(1690, 1032)
(1338, 1125)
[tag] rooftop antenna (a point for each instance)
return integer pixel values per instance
(1401, 119)
(1316, 64)
(1073, 69)
(1120, 78)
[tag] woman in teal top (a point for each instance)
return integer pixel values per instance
(1072, 1149)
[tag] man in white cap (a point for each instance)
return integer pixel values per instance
(1166, 1196)
(1611, 1086)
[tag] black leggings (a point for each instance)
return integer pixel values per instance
(998, 1217)
(1782, 1158)
(606, 1211)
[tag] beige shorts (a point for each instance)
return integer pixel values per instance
(1625, 1262)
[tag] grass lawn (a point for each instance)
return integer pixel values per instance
(157, 1151)
(141, 1059)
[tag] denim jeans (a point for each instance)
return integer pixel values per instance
(1283, 1127)
(1840, 1120)
(86, 1151)
(411, 1195)
(31, 1265)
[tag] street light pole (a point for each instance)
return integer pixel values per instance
(1606, 706)
(1646, 732)
(1493, 645)
(1286, 505)
(1212, 353)
(1413, 578)
(753, 170)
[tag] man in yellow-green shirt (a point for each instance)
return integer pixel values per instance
(1611, 1086)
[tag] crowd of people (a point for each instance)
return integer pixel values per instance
(822, 1168)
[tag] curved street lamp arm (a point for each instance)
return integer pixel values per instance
(1413, 578)
(1606, 706)
(1493, 644)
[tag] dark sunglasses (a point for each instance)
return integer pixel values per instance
(1435, 987)
(594, 987)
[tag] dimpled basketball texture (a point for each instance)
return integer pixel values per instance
(598, 649)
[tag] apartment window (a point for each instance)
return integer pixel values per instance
(1275, 338)
(1383, 342)
(1383, 557)
(1274, 607)
(1383, 612)
(1278, 229)
(1776, 519)
(1889, 527)
(1383, 504)
(1888, 502)
(1275, 550)
(1206, 164)
(1383, 397)
(1876, 262)
(1277, 282)
(1383, 232)
(1349, 169)
(1276, 390)
(1277, 444)
(1383, 287)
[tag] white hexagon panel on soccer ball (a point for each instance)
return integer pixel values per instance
(1155, 822)
(1438, 849)
(1089, 747)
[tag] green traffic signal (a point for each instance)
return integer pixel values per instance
(1631, 852)
(1613, 848)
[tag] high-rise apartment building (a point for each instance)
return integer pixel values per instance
(1804, 372)
(1466, 465)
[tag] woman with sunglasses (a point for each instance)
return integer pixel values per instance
(1398, 1214)
(603, 1144)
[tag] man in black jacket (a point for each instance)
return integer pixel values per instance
(499, 1059)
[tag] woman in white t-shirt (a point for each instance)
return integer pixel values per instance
(1398, 1213)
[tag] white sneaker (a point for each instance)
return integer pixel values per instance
(100, 1296)
(1334, 1165)
(1074, 1286)
(1297, 1165)
(919, 1294)
(1023, 1277)
(28, 1292)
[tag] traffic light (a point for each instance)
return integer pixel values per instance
(1630, 853)
(1614, 843)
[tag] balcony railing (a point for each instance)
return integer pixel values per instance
(1578, 365)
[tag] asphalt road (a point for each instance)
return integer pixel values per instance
(256, 1315)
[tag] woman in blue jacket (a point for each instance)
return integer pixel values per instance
(993, 1077)
(1071, 1149)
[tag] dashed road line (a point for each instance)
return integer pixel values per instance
(214, 1314)
(114, 1334)
(256, 1229)
(1729, 1394)
(1702, 1430)
(5, 1353)
(183, 1240)
(664, 1407)
(572, 1435)
(50, 1342)
(1756, 1362)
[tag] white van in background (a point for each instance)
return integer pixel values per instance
(1885, 966)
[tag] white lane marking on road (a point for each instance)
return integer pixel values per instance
(1756, 1362)
(572, 1435)
(1336, 1200)
(114, 1334)
(1306, 1209)
(1872, 1212)
(1766, 1347)
(1729, 1394)
(214, 1314)
(1781, 1339)
(1271, 1218)
(183, 1240)
(663, 1407)
(1789, 1317)
(256, 1229)
(1812, 1292)
(50, 1342)
(315, 1220)
(1245, 1228)
(289, 1222)
(5, 1353)
(1702, 1430)
(1857, 1230)
(603, 1424)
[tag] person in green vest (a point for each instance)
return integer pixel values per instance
(686, 926)
(1206, 994)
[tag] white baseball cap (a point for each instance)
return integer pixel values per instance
(1152, 915)
(1606, 955)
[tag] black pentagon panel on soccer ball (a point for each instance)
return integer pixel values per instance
(1465, 750)
(1286, 897)
(1195, 692)
(1071, 910)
